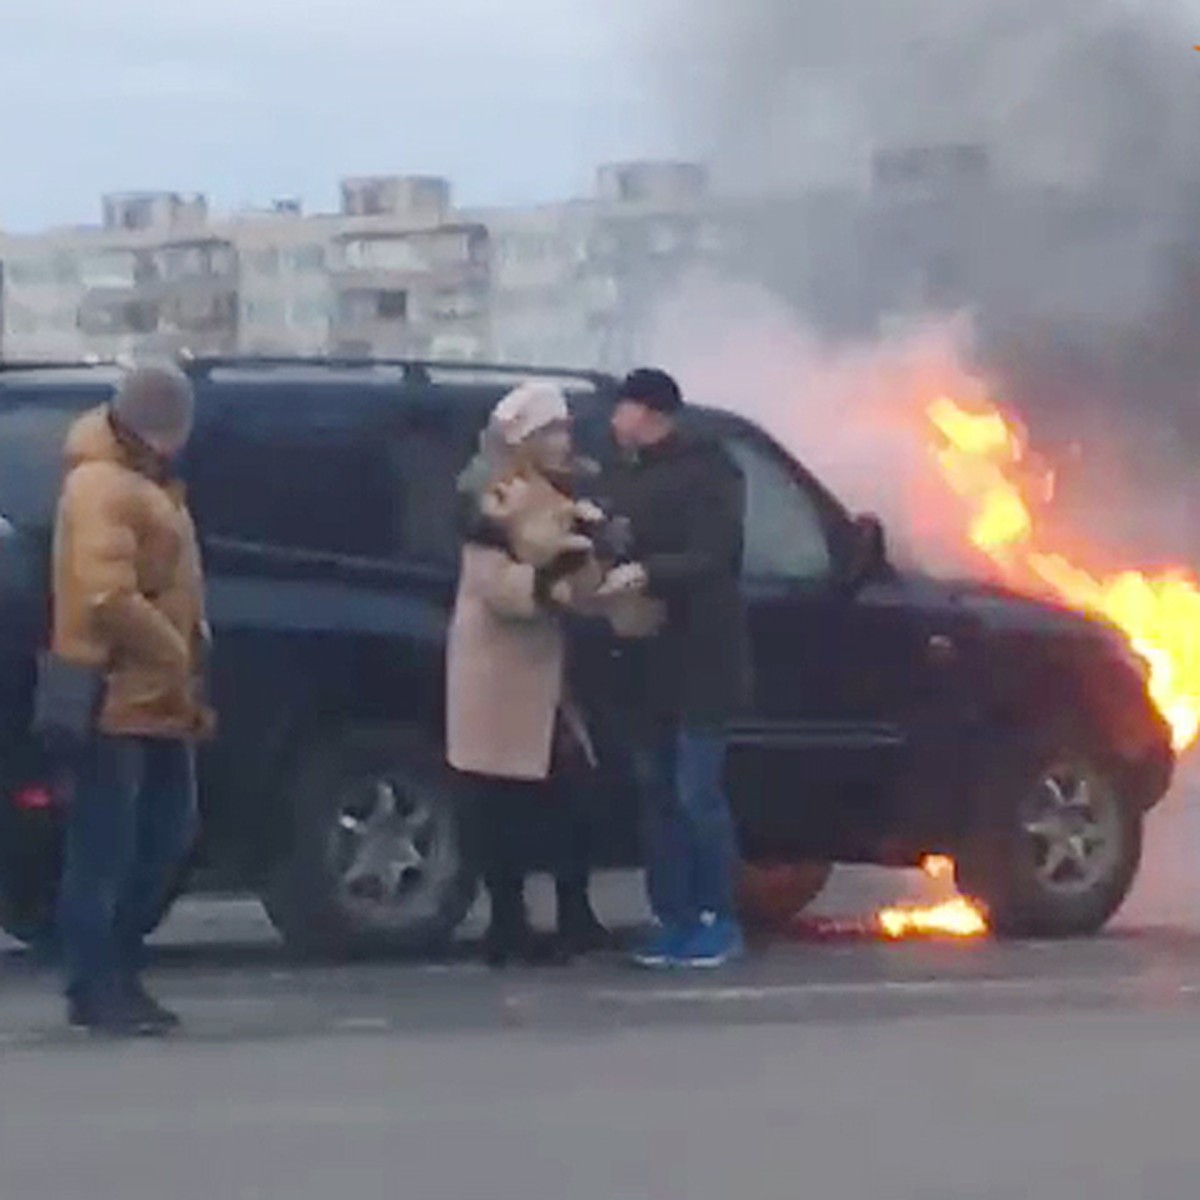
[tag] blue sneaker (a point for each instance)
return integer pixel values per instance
(662, 948)
(713, 943)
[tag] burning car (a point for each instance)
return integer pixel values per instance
(894, 717)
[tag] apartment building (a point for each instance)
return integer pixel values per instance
(154, 274)
(398, 270)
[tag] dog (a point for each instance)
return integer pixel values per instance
(575, 539)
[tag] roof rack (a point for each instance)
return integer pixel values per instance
(414, 371)
(60, 364)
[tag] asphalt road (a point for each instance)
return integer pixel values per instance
(836, 1067)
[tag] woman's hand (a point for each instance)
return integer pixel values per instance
(629, 579)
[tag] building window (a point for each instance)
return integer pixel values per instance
(365, 199)
(364, 307)
(459, 304)
(392, 306)
(197, 262)
(384, 254)
(123, 317)
(202, 314)
(263, 262)
(110, 269)
(305, 259)
(307, 311)
(263, 312)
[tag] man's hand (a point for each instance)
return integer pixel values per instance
(561, 594)
(589, 513)
(629, 579)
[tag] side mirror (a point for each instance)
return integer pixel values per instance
(867, 559)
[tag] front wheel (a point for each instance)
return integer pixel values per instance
(1059, 845)
(375, 861)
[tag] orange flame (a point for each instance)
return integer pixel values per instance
(982, 456)
(955, 917)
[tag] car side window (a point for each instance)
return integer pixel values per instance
(785, 538)
(299, 470)
(427, 448)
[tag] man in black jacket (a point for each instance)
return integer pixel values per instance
(684, 499)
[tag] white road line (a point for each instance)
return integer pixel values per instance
(362, 1024)
(882, 987)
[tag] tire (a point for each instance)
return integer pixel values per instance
(1055, 794)
(375, 862)
(31, 917)
(771, 894)
(29, 920)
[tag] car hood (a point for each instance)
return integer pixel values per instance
(1003, 609)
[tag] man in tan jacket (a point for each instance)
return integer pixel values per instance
(128, 601)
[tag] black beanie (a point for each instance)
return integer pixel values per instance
(653, 388)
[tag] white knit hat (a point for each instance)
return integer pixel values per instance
(528, 409)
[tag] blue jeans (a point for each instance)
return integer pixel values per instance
(690, 839)
(130, 827)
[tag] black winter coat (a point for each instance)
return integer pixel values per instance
(685, 502)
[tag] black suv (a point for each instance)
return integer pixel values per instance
(893, 715)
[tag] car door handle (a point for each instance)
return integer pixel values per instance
(941, 648)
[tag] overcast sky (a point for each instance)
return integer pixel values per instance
(515, 100)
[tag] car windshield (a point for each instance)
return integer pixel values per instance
(33, 426)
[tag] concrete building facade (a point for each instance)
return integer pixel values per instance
(401, 271)
(398, 271)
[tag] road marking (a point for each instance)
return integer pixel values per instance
(894, 987)
(362, 1024)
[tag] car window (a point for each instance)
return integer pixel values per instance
(302, 470)
(427, 448)
(33, 427)
(785, 538)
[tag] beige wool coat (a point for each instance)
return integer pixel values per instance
(505, 670)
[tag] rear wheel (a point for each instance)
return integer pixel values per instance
(29, 902)
(1060, 842)
(375, 862)
(28, 917)
(771, 894)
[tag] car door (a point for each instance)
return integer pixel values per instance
(815, 762)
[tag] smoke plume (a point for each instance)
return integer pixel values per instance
(853, 413)
(1080, 94)
(1075, 252)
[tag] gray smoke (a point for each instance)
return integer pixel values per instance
(1074, 252)
(1084, 110)
(1088, 95)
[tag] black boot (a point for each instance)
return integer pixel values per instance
(580, 931)
(109, 1010)
(146, 1010)
(509, 935)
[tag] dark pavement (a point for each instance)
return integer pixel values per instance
(842, 1067)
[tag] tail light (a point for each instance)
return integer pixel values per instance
(33, 797)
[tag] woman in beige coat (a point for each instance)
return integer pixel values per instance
(511, 730)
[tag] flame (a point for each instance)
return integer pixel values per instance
(983, 458)
(955, 917)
